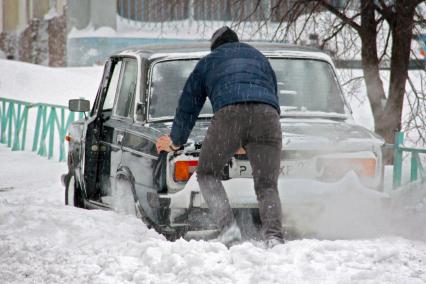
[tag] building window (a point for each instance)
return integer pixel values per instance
(153, 10)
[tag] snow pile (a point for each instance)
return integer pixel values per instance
(35, 83)
(44, 241)
(348, 210)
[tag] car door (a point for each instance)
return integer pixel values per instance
(104, 156)
(92, 134)
(115, 127)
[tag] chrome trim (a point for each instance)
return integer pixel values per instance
(97, 205)
(140, 134)
(130, 150)
(171, 118)
(111, 145)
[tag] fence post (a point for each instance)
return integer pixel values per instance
(3, 120)
(397, 166)
(414, 165)
(17, 122)
(24, 135)
(42, 145)
(51, 127)
(40, 111)
(10, 112)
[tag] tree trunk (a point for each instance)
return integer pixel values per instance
(402, 32)
(370, 63)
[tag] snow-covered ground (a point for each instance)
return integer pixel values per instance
(44, 241)
(365, 237)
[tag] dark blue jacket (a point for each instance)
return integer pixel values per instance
(233, 73)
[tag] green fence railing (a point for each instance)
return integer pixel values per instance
(417, 170)
(13, 123)
(54, 120)
(51, 120)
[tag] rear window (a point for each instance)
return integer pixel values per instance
(303, 84)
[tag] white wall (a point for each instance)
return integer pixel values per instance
(103, 13)
(22, 24)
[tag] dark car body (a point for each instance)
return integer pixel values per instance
(112, 159)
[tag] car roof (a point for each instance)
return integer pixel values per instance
(199, 49)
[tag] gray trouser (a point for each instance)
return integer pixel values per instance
(256, 128)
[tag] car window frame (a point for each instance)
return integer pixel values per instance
(131, 116)
(101, 107)
(142, 98)
(102, 90)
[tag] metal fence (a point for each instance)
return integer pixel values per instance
(417, 170)
(51, 123)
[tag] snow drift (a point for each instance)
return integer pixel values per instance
(44, 241)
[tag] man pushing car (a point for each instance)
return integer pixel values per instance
(242, 88)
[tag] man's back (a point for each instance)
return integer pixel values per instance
(235, 73)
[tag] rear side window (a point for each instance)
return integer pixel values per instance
(127, 88)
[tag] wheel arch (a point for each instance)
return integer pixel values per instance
(125, 172)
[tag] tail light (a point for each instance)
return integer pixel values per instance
(68, 138)
(330, 169)
(184, 170)
(364, 167)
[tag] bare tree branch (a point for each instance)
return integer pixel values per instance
(352, 79)
(337, 30)
(340, 15)
(386, 46)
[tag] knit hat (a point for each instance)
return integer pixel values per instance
(223, 35)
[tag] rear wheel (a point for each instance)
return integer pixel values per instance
(73, 196)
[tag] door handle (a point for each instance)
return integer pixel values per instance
(120, 138)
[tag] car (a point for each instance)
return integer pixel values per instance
(112, 157)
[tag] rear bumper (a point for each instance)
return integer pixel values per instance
(241, 194)
(308, 205)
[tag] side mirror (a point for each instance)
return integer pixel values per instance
(79, 105)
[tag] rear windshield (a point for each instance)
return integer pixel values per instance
(303, 84)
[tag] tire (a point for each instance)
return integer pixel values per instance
(73, 196)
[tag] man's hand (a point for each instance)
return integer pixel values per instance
(164, 143)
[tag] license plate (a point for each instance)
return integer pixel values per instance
(242, 168)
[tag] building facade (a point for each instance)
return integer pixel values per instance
(209, 10)
(32, 30)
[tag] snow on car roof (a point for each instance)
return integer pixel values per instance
(199, 49)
